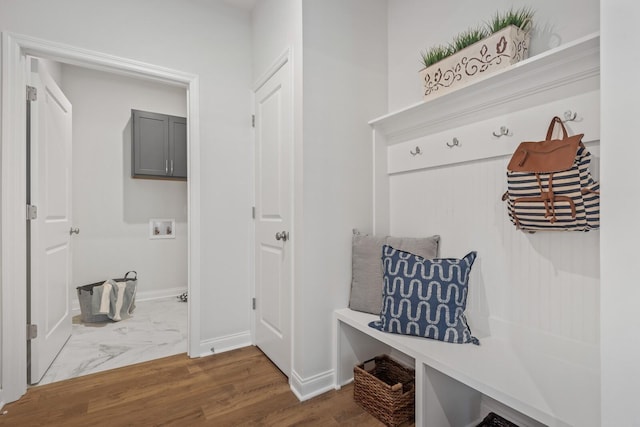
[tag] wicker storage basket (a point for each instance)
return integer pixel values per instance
(386, 390)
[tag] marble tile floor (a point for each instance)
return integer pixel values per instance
(157, 328)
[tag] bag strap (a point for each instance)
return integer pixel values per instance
(555, 120)
(126, 276)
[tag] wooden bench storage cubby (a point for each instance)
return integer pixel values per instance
(533, 300)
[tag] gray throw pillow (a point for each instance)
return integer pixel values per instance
(366, 269)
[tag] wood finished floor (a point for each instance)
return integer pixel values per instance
(237, 388)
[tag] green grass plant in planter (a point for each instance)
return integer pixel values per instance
(521, 18)
(468, 38)
(435, 54)
(481, 50)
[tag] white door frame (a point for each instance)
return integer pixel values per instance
(13, 355)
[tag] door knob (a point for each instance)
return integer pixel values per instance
(74, 230)
(282, 235)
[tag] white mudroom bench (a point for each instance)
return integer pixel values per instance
(539, 358)
(456, 384)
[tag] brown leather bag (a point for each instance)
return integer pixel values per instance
(550, 186)
(550, 155)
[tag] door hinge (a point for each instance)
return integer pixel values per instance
(32, 212)
(253, 120)
(253, 303)
(32, 93)
(253, 212)
(32, 332)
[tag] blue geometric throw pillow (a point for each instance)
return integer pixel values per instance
(425, 297)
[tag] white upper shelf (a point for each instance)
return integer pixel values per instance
(565, 71)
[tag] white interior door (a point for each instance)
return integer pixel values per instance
(274, 207)
(49, 233)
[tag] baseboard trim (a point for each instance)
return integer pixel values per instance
(307, 388)
(140, 296)
(225, 343)
(159, 294)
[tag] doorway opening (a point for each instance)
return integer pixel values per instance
(13, 257)
(110, 217)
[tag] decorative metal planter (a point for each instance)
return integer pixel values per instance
(499, 50)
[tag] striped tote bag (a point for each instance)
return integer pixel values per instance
(550, 186)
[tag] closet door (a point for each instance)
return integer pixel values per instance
(274, 208)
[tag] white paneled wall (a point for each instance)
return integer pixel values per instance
(543, 283)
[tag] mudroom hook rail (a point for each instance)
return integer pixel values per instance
(504, 131)
(570, 116)
(455, 143)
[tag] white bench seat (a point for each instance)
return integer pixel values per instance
(548, 390)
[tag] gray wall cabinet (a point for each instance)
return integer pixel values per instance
(158, 146)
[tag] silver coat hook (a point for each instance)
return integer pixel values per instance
(415, 153)
(570, 116)
(504, 131)
(456, 143)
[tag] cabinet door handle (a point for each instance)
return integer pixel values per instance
(166, 167)
(171, 167)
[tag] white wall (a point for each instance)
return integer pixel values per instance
(276, 26)
(212, 40)
(620, 346)
(416, 25)
(112, 209)
(345, 64)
